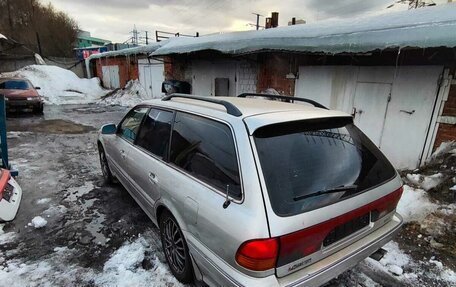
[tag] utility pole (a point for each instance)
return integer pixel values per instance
(147, 38)
(257, 20)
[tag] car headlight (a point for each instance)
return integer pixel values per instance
(30, 99)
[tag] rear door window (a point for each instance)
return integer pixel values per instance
(128, 128)
(301, 160)
(205, 149)
(155, 132)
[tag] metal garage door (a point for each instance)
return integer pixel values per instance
(110, 77)
(393, 107)
(151, 77)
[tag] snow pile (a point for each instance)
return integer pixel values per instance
(415, 205)
(426, 182)
(38, 222)
(405, 269)
(444, 148)
(6, 237)
(124, 268)
(3, 36)
(133, 94)
(60, 86)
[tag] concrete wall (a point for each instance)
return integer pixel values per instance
(13, 63)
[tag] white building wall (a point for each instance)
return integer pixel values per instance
(242, 76)
(392, 106)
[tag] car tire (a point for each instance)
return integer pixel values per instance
(107, 174)
(175, 248)
(38, 109)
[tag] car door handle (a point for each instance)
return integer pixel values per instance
(153, 178)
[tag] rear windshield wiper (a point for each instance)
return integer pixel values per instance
(326, 191)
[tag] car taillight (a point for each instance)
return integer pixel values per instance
(258, 255)
(264, 254)
(386, 205)
(4, 178)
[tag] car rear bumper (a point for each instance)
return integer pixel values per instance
(8, 209)
(314, 275)
(335, 264)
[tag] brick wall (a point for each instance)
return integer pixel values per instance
(447, 131)
(247, 77)
(128, 68)
(177, 69)
(273, 69)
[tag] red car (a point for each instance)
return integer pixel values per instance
(20, 94)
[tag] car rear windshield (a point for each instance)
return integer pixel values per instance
(314, 163)
(14, 85)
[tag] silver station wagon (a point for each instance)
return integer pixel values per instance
(254, 192)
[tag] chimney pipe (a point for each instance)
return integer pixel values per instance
(293, 21)
(274, 19)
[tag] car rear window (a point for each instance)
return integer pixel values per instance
(302, 159)
(14, 85)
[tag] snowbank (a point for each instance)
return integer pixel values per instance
(131, 95)
(60, 86)
(415, 205)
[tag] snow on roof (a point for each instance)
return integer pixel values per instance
(423, 28)
(129, 51)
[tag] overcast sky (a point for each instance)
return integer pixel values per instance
(114, 19)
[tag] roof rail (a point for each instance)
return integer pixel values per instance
(287, 98)
(230, 108)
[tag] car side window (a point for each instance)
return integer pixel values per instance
(128, 128)
(205, 148)
(155, 132)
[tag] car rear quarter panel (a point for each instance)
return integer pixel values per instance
(199, 210)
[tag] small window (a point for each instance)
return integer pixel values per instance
(205, 148)
(128, 128)
(155, 131)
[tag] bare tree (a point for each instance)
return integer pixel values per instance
(413, 4)
(38, 27)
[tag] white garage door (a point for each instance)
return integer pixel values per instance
(151, 77)
(393, 107)
(110, 77)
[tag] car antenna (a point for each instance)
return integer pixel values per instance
(227, 199)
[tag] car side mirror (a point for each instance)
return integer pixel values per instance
(108, 129)
(37, 88)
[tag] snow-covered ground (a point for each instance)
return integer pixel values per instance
(60, 86)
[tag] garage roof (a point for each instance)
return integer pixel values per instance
(129, 51)
(420, 28)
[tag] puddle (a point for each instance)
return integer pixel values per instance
(50, 127)
(73, 193)
(95, 226)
